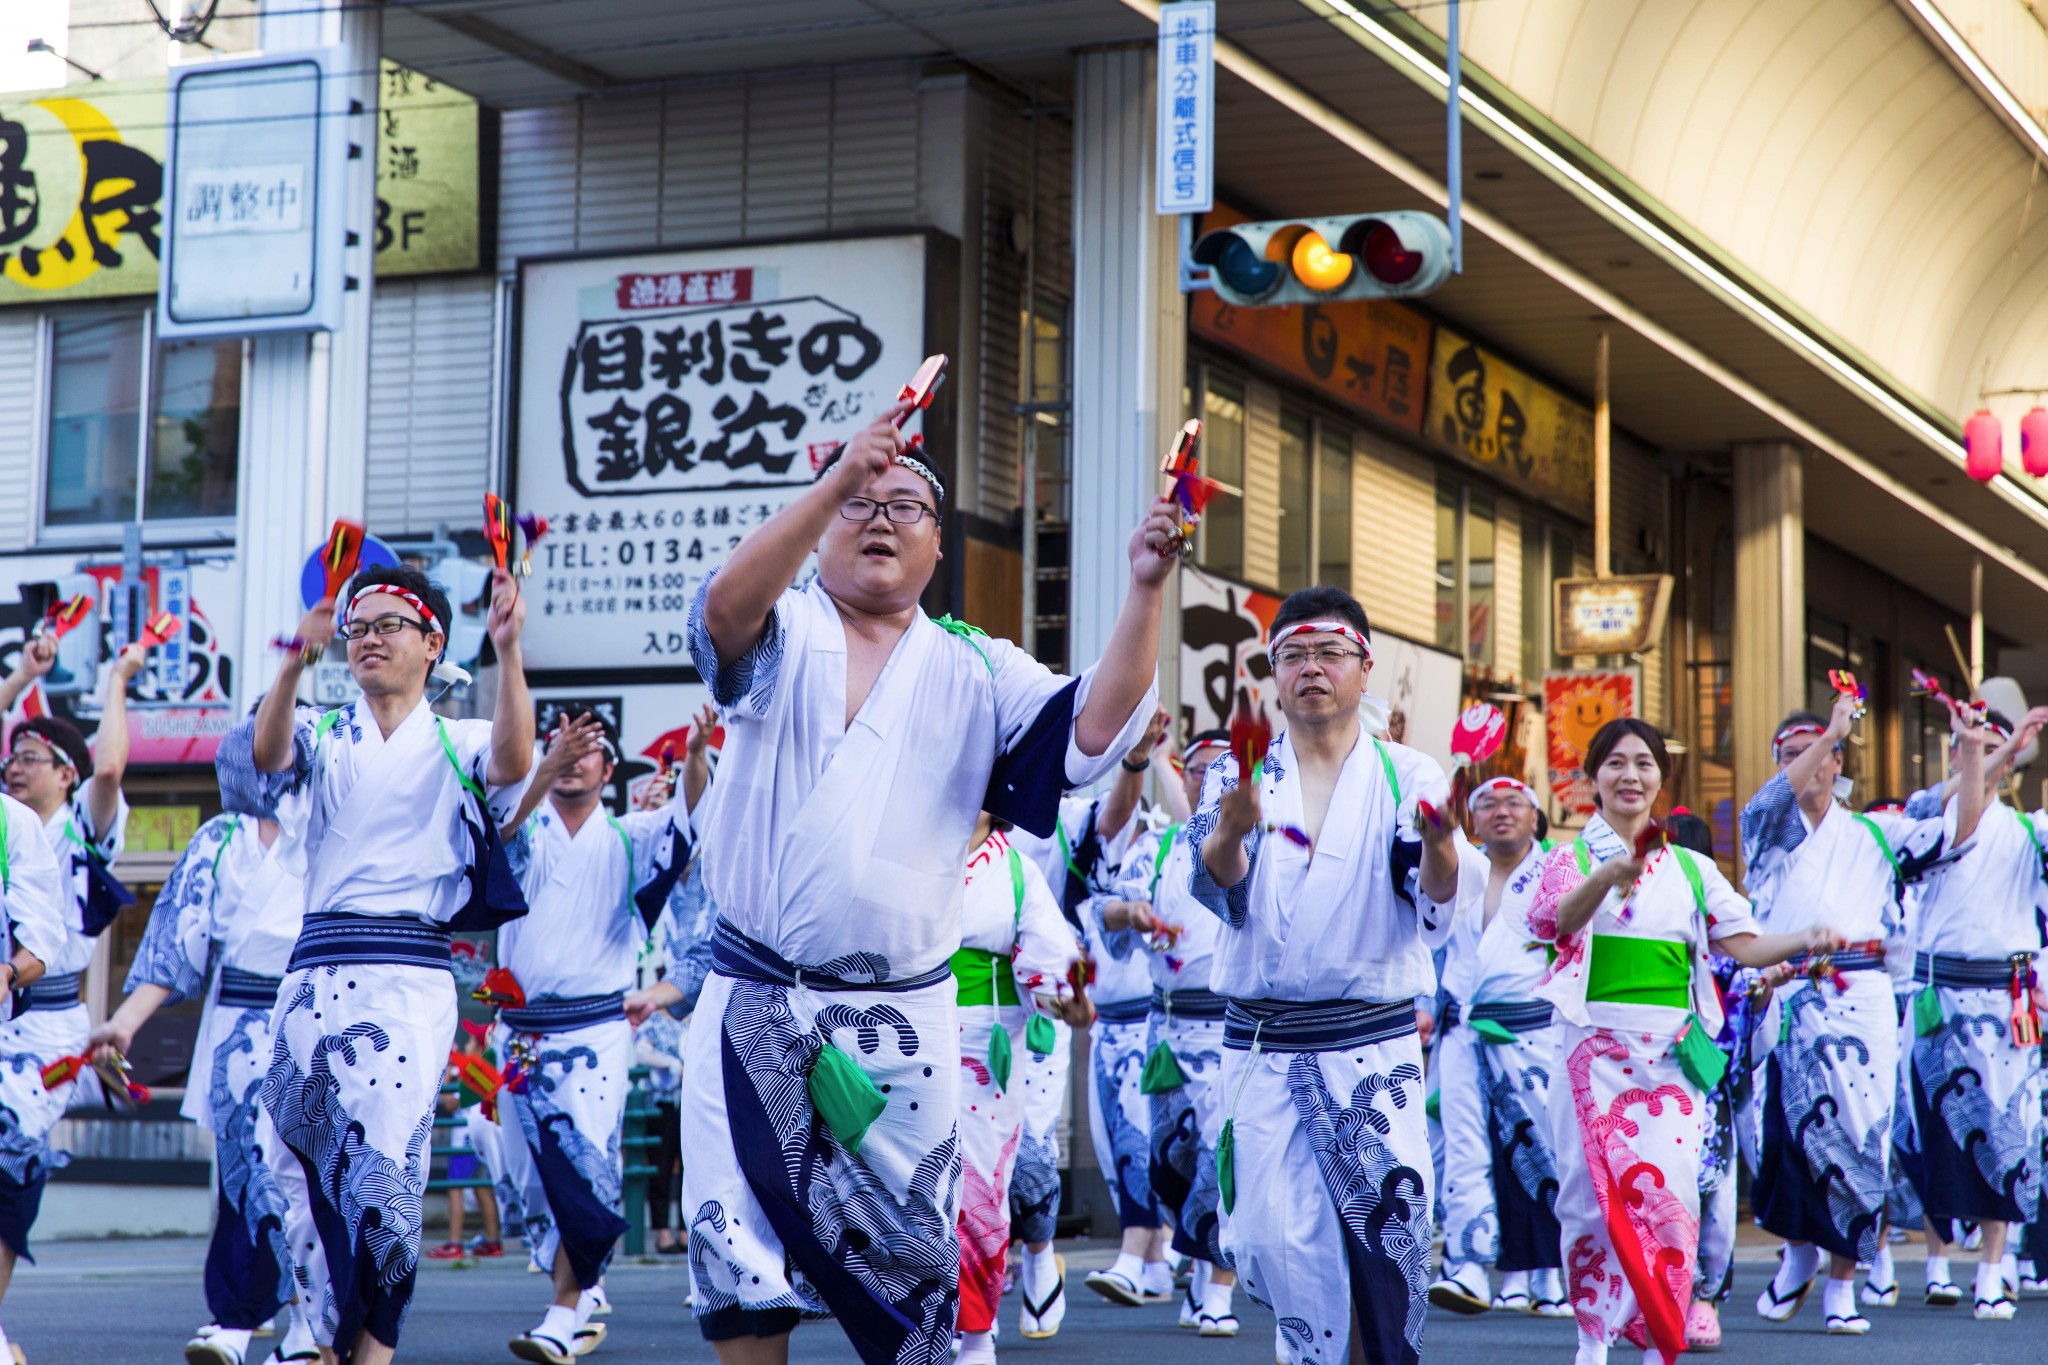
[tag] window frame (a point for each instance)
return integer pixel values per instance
(68, 535)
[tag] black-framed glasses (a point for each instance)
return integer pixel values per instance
(1328, 656)
(902, 511)
(389, 624)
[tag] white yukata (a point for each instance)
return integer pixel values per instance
(832, 850)
(569, 1049)
(227, 889)
(1626, 1119)
(37, 899)
(1496, 1055)
(367, 1011)
(1322, 958)
(1014, 954)
(1827, 1086)
(1119, 1119)
(1976, 1092)
(50, 1021)
(1078, 861)
(1187, 1020)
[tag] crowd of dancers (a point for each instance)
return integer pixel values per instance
(1327, 1010)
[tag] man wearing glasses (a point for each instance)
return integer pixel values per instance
(1323, 1161)
(1495, 1050)
(821, 1085)
(401, 848)
(84, 821)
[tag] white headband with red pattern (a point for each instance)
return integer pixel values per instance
(1344, 629)
(405, 595)
(1499, 784)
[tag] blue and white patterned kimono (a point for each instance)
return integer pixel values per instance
(575, 955)
(1187, 1016)
(35, 898)
(228, 889)
(1119, 1119)
(53, 1023)
(367, 1011)
(833, 851)
(1322, 957)
(1826, 1088)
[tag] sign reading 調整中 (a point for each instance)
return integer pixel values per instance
(82, 183)
(1510, 423)
(671, 402)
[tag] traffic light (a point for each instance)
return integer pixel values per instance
(1325, 260)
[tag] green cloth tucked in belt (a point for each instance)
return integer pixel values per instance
(1639, 971)
(985, 977)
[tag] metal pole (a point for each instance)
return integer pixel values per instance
(1028, 537)
(1976, 621)
(1454, 147)
(1603, 473)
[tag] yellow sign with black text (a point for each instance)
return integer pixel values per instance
(1510, 423)
(82, 185)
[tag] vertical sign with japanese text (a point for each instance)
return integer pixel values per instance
(1186, 121)
(671, 402)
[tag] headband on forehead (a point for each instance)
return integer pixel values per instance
(604, 738)
(1349, 632)
(1187, 755)
(925, 472)
(405, 595)
(1499, 784)
(1794, 730)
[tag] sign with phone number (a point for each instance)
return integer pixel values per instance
(671, 402)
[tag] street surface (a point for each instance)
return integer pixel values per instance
(129, 1303)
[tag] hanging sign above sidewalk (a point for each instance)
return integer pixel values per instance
(1186, 121)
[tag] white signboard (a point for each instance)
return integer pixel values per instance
(256, 213)
(1186, 121)
(670, 403)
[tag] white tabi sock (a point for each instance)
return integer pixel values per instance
(1040, 1269)
(1157, 1278)
(560, 1323)
(1799, 1266)
(1198, 1279)
(1592, 1351)
(971, 1342)
(1130, 1267)
(586, 1307)
(1990, 1281)
(2010, 1267)
(1882, 1273)
(1216, 1300)
(298, 1335)
(1937, 1270)
(1838, 1298)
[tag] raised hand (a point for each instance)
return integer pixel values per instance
(873, 449)
(508, 613)
(1155, 544)
(576, 740)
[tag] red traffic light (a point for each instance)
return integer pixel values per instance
(1385, 257)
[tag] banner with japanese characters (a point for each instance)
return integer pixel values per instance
(671, 402)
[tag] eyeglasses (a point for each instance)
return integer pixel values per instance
(27, 758)
(1488, 805)
(389, 624)
(1327, 656)
(902, 511)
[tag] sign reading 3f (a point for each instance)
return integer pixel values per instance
(1186, 151)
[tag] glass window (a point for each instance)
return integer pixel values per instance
(1535, 603)
(1447, 499)
(196, 435)
(1333, 509)
(95, 419)
(1564, 557)
(1479, 579)
(107, 465)
(1222, 533)
(1297, 472)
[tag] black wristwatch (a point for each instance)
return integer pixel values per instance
(1131, 767)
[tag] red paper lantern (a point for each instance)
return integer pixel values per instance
(2034, 441)
(1982, 438)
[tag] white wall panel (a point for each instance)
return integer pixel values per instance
(431, 419)
(21, 427)
(1393, 540)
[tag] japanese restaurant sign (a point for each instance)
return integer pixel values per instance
(1510, 423)
(82, 185)
(671, 402)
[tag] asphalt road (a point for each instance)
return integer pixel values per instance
(103, 1303)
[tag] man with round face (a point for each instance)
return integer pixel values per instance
(1494, 1057)
(596, 883)
(1333, 869)
(401, 849)
(863, 740)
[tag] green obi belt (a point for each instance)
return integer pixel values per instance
(1639, 971)
(985, 978)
